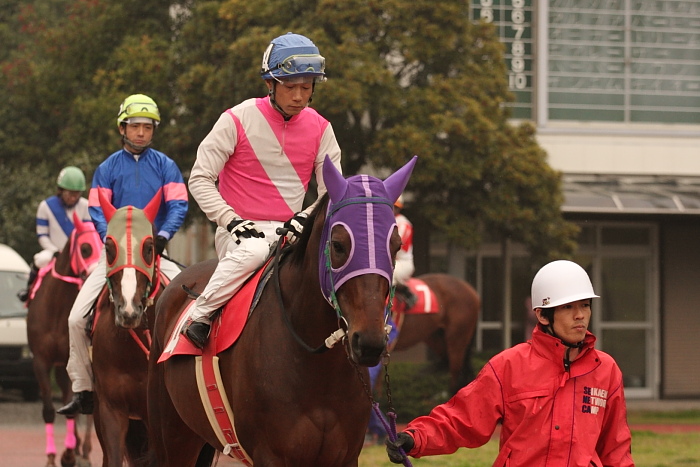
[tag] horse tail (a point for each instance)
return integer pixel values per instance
(206, 456)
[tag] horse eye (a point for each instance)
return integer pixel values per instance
(338, 248)
(86, 251)
(110, 251)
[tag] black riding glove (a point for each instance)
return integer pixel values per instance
(295, 226)
(241, 228)
(403, 441)
(161, 243)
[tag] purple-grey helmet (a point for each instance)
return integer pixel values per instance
(293, 56)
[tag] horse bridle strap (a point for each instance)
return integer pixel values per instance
(330, 341)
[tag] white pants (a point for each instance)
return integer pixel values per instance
(236, 263)
(43, 258)
(79, 366)
(403, 270)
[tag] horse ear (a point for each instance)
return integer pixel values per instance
(334, 181)
(77, 222)
(396, 182)
(107, 208)
(151, 209)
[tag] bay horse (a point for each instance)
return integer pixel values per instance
(292, 404)
(49, 305)
(449, 332)
(121, 334)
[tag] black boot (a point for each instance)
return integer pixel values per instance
(82, 402)
(198, 333)
(406, 295)
(23, 294)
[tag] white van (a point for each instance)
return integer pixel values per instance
(15, 357)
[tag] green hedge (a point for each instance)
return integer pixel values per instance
(417, 387)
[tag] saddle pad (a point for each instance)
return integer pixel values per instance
(426, 300)
(225, 329)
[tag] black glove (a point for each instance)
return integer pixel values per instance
(241, 228)
(295, 226)
(403, 441)
(161, 243)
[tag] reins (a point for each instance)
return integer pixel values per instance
(331, 340)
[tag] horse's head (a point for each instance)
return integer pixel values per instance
(131, 260)
(358, 247)
(85, 247)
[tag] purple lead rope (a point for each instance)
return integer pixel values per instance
(391, 430)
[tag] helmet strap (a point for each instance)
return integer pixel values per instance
(138, 149)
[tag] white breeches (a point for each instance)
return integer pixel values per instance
(43, 258)
(79, 366)
(236, 263)
(403, 270)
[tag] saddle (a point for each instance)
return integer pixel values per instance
(228, 322)
(426, 301)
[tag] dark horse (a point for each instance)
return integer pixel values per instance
(47, 333)
(449, 332)
(122, 333)
(292, 405)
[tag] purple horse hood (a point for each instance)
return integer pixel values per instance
(364, 206)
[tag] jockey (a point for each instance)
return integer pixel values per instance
(263, 153)
(131, 176)
(404, 258)
(54, 220)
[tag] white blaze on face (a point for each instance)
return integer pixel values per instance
(128, 289)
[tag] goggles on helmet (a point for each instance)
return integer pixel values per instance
(311, 64)
(303, 64)
(139, 109)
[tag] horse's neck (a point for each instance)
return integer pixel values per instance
(309, 313)
(62, 265)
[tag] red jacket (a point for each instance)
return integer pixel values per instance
(550, 417)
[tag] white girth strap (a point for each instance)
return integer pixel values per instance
(218, 419)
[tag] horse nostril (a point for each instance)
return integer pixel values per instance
(366, 351)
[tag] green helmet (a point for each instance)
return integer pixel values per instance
(138, 105)
(72, 179)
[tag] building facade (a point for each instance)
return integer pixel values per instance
(614, 89)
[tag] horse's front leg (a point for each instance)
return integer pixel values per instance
(111, 428)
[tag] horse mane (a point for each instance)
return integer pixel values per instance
(298, 250)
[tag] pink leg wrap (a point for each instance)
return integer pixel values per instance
(50, 445)
(70, 433)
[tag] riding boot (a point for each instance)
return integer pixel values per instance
(23, 294)
(82, 402)
(408, 297)
(197, 332)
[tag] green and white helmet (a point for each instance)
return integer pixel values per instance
(138, 106)
(72, 179)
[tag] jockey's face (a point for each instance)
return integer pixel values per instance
(292, 96)
(70, 198)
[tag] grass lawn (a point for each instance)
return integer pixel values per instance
(649, 449)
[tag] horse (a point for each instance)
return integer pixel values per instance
(447, 333)
(121, 334)
(294, 404)
(47, 333)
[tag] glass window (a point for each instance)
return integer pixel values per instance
(10, 284)
(629, 349)
(624, 286)
(625, 236)
(492, 289)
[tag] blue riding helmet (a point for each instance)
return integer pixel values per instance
(293, 56)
